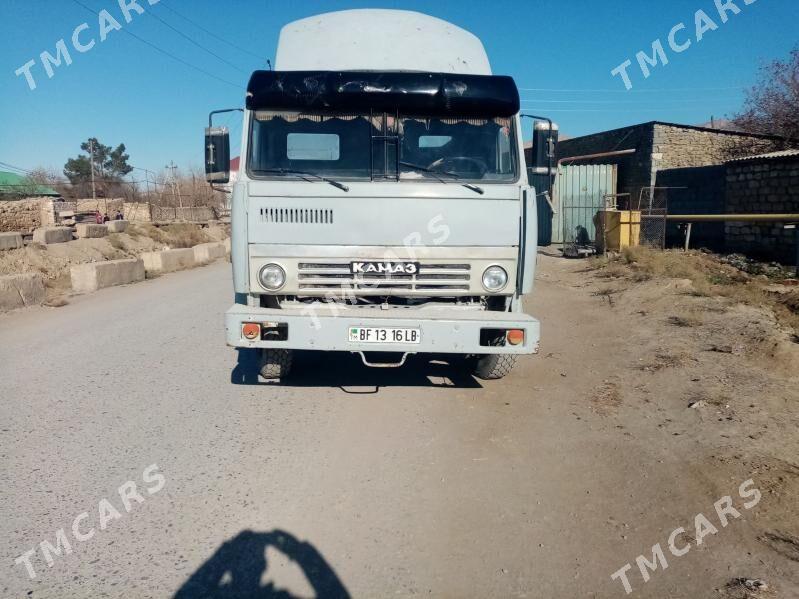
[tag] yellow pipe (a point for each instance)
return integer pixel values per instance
(697, 218)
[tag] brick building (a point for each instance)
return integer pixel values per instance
(666, 146)
(765, 184)
(689, 160)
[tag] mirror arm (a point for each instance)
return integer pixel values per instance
(213, 112)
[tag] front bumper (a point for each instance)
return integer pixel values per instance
(443, 330)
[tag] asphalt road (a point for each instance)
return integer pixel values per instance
(420, 481)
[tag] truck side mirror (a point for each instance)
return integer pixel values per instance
(217, 155)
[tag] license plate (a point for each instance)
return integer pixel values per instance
(384, 335)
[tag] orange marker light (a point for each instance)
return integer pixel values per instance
(515, 336)
(251, 330)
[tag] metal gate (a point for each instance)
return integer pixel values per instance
(653, 203)
(580, 192)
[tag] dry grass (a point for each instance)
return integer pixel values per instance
(178, 235)
(613, 271)
(184, 235)
(708, 276)
(685, 320)
(116, 241)
(137, 230)
(607, 293)
(791, 300)
(663, 360)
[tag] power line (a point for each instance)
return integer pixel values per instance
(633, 91)
(617, 102)
(111, 180)
(200, 46)
(16, 168)
(211, 33)
(164, 52)
(627, 110)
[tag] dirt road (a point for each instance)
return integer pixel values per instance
(420, 481)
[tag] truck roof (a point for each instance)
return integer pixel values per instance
(379, 40)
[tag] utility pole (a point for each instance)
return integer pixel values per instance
(91, 162)
(172, 167)
(147, 174)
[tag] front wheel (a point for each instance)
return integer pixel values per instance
(494, 366)
(275, 363)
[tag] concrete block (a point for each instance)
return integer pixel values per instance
(97, 275)
(18, 291)
(168, 260)
(227, 245)
(117, 226)
(52, 235)
(10, 241)
(208, 252)
(90, 230)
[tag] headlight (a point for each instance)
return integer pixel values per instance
(272, 277)
(495, 278)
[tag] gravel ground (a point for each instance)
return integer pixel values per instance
(420, 481)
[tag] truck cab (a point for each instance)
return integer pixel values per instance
(382, 205)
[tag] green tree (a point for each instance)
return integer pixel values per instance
(110, 165)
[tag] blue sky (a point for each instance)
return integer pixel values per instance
(125, 91)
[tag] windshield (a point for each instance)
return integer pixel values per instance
(362, 146)
(472, 149)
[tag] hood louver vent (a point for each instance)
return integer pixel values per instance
(296, 216)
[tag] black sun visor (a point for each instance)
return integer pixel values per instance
(429, 94)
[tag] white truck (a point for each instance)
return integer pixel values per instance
(382, 204)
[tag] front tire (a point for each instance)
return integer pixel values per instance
(275, 363)
(494, 366)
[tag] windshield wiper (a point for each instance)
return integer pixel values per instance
(290, 171)
(435, 173)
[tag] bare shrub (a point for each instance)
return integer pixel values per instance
(772, 105)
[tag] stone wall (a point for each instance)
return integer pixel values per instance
(682, 147)
(136, 211)
(142, 211)
(110, 205)
(24, 216)
(132, 211)
(187, 213)
(763, 186)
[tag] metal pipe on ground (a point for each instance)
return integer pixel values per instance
(791, 222)
(751, 218)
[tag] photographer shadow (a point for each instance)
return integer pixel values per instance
(236, 569)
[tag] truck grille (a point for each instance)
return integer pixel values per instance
(317, 276)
